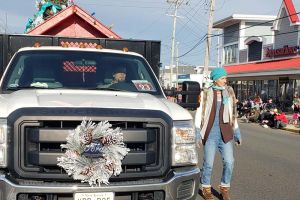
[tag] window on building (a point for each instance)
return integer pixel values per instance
(230, 54)
(297, 87)
(244, 90)
(264, 90)
(258, 88)
(233, 84)
(251, 89)
(254, 51)
(238, 90)
(290, 90)
(272, 88)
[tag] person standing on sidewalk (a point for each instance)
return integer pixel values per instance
(217, 129)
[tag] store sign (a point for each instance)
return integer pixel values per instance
(285, 51)
(184, 76)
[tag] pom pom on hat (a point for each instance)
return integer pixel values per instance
(217, 73)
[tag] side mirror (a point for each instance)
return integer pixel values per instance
(190, 94)
(192, 86)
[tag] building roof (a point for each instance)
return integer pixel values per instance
(266, 66)
(290, 8)
(236, 18)
(74, 22)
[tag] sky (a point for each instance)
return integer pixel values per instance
(151, 20)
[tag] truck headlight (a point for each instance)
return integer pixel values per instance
(184, 150)
(3, 143)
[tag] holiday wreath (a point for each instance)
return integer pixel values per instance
(93, 152)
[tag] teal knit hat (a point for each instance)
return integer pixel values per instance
(217, 73)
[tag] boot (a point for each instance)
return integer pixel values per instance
(225, 193)
(206, 192)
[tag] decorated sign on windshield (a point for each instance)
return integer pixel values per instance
(70, 66)
(143, 85)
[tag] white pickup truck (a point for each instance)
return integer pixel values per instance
(47, 91)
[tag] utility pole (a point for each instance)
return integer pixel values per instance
(177, 4)
(218, 49)
(177, 64)
(5, 30)
(208, 38)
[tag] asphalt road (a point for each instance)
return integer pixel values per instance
(267, 165)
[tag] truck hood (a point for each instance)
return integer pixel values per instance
(89, 99)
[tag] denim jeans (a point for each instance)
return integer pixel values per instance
(215, 142)
(280, 124)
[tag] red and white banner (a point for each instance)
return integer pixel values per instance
(71, 67)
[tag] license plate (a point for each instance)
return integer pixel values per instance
(94, 196)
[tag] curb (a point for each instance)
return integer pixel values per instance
(294, 131)
(291, 130)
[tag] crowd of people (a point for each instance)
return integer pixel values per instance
(268, 114)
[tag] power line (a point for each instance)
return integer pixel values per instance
(154, 22)
(198, 43)
(192, 15)
(256, 25)
(187, 64)
(191, 31)
(214, 35)
(197, 7)
(284, 33)
(124, 6)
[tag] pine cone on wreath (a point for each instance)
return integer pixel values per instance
(105, 140)
(110, 166)
(108, 140)
(86, 171)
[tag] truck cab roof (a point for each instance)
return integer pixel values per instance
(104, 50)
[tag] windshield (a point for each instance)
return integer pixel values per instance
(80, 70)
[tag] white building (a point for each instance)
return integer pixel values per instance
(262, 55)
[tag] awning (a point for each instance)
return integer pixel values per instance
(273, 65)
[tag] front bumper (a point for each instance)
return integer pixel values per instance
(173, 186)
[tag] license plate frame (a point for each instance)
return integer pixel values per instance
(94, 196)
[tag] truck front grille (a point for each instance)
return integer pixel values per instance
(38, 140)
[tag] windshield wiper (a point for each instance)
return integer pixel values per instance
(110, 89)
(29, 87)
